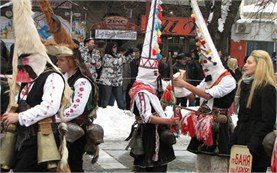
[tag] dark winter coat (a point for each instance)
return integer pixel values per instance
(254, 123)
(134, 65)
(194, 72)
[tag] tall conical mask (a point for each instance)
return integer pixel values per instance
(148, 68)
(209, 58)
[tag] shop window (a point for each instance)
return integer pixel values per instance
(260, 45)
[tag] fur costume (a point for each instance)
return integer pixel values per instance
(59, 33)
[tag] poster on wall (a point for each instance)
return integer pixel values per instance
(6, 28)
(240, 159)
(78, 30)
(42, 26)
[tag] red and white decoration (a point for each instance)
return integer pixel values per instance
(148, 69)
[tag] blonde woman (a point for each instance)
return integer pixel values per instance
(232, 64)
(256, 95)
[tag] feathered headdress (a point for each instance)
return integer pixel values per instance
(148, 68)
(209, 58)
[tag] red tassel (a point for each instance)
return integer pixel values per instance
(167, 96)
(191, 126)
(204, 129)
(188, 127)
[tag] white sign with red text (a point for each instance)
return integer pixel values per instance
(240, 159)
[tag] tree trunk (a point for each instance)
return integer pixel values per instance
(222, 39)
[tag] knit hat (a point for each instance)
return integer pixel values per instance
(148, 68)
(29, 53)
(208, 55)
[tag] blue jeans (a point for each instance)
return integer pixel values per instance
(106, 93)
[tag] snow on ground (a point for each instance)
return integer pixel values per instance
(117, 123)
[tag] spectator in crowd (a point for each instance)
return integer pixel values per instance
(111, 75)
(181, 64)
(164, 68)
(126, 71)
(194, 73)
(91, 56)
(223, 58)
(256, 98)
(5, 58)
(194, 70)
(101, 46)
(134, 65)
(245, 59)
(233, 67)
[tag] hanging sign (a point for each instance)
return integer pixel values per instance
(240, 159)
(115, 34)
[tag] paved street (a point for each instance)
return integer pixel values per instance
(114, 158)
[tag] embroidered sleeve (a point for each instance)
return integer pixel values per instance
(143, 105)
(82, 89)
(51, 100)
(225, 86)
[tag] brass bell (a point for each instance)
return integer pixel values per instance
(8, 147)
(47, 148)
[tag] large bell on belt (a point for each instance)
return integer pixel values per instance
(74, 132)
(8, 147)
(95, 133)
(47, 147)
